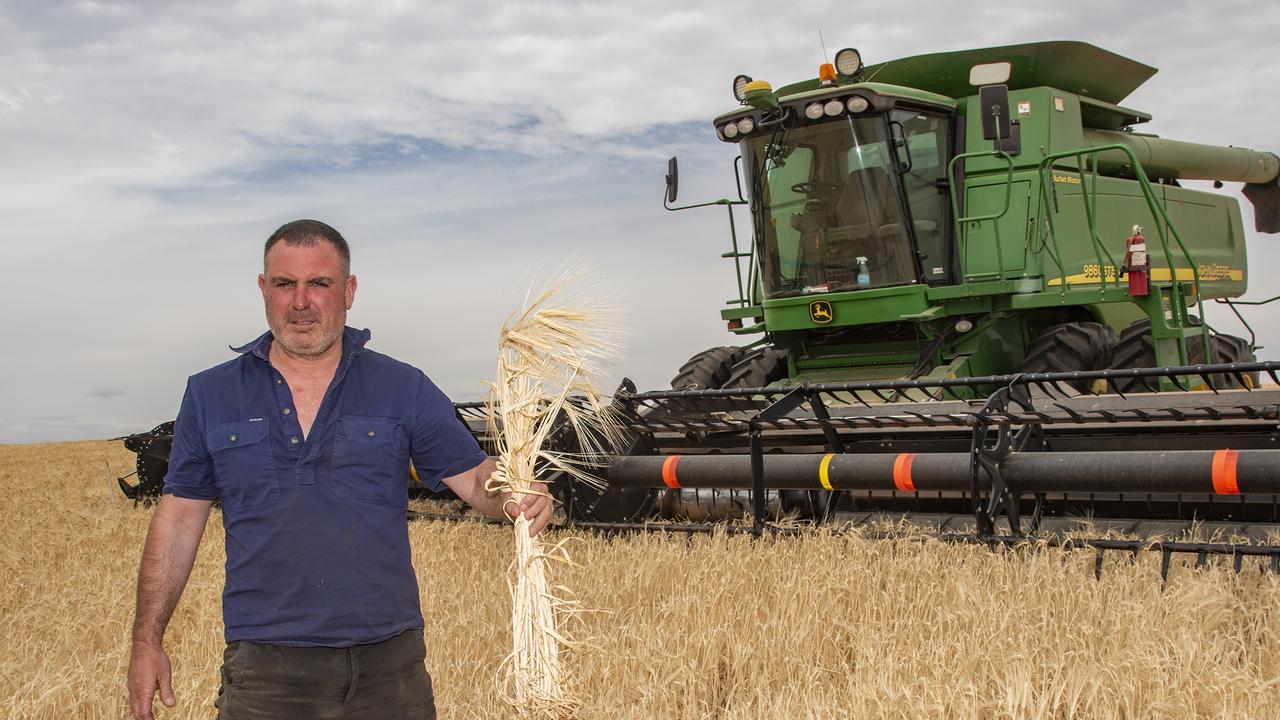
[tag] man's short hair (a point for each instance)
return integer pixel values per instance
(307, 233)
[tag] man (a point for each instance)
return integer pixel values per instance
(306, 440)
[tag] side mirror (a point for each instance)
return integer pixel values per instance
(993, 107)
(673, 179)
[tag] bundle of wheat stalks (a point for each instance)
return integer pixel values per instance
(549, 366)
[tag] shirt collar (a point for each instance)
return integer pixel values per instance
(353, 341)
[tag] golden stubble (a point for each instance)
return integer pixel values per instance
(705, 627)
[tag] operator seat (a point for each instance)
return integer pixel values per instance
(868, 223)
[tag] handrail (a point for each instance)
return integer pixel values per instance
(1091, 213)
(1157, 210)
(960, 221)
(743, 299)
(1158, 213)
(1055, 253)
(1049, 194)
(1253, 337)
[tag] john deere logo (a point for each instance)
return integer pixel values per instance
(820, 312)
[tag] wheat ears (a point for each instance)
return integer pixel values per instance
(549, 366)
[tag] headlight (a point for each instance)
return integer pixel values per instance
(740, 87)
(813, 111)
(746, 125)
(857, 104)
(730, 130)
(848, 62)
(833, 107)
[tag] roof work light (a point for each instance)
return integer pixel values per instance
(740, 87)
(848, 62)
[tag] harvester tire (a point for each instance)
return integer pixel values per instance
(708, 369)
(1136, 348)
(1070, 347)
(721, 367)
(758, 368)
(1232, 349)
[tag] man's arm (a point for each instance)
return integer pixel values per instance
(170, 551)
(470, 486)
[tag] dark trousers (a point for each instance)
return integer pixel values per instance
(379, 681)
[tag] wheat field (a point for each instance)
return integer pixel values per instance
(710, 627)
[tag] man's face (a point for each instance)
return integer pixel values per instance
(307, 297)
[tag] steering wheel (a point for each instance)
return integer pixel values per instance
(813, 187)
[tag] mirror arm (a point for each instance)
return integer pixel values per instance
(672, 170)
(721, 201)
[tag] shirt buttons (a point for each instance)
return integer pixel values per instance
(286, 411)
(279, 381)
(233, 438)
(370, 433)
(293, 441)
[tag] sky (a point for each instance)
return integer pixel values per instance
(147, 149)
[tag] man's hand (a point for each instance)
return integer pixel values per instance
(149, 670)
(170, 551)
(535, 505)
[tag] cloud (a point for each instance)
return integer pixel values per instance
(149, 147)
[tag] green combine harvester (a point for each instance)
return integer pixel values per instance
(973, 296)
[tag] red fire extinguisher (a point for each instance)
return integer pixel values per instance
(1136, 263)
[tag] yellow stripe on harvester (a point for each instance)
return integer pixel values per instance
(824, 471)
(1157, 275)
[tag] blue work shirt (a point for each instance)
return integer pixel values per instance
(317, 536)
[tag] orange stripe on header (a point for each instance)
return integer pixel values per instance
(1224, 472)
(902, 471)
(669, 472)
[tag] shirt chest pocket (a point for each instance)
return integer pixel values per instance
(242, 463)
(367, 462)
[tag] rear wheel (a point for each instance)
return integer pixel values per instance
(1232, 349)
(725, 367)
(758, 368)
(1071, 347)
(708, 369)
(1136, 348)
